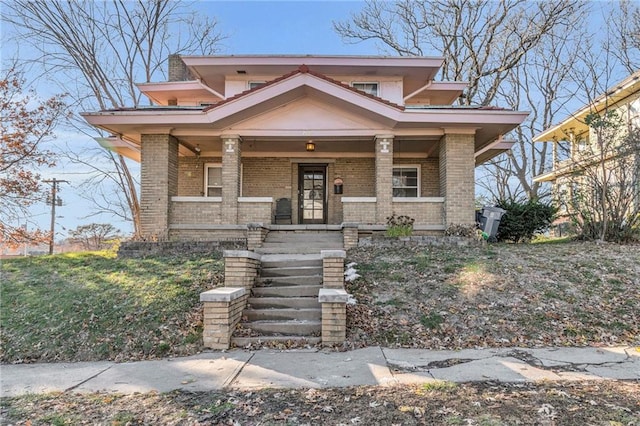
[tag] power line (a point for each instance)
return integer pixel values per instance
(55, 200)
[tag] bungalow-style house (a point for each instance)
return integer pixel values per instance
(576, 148)
(284, 139)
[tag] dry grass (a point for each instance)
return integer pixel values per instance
(571, 294)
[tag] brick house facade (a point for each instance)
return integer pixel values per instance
(345, 139)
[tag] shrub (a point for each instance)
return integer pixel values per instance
(523, 220)
(399, 226)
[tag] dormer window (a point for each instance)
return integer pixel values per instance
(367, 87)
(254, 84)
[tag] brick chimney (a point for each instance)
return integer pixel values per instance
(177, 69)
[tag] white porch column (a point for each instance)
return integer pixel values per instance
(230, 178)
(384, 177)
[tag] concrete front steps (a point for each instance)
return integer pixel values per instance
(301, 242)
(284, 307)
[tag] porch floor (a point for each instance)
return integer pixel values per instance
(274, 227)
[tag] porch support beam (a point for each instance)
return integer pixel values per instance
(457, 183)
(159, 182)
(384, 176)
(230, 178)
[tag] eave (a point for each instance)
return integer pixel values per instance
(192, 125)
(438, 92)
(194, 90)
(415, 71)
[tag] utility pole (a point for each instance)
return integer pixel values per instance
(53, 201)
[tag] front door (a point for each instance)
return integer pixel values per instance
(312, 193)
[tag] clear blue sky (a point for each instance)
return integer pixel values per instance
(285, 27)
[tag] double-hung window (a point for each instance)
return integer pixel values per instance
(213, 180)
(366, 87)
(406, 181)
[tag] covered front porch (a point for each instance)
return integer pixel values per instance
(215, 191)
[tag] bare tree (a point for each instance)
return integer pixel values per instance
(624, 32)
(94, 235)
(97, 51)
(603, 202)
(480, 40)
(511, 51)
(544, 84)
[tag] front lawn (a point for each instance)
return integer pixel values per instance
(528, 295)
(93, 306)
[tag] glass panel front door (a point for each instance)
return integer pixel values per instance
(312, 189)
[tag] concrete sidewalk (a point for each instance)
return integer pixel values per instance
(239, 369)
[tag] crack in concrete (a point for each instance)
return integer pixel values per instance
(86, 380)
(230, 381)
(523, 356)
(564, 366)
(444, 363)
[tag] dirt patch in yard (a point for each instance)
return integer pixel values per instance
(441, 403)
(571, 294)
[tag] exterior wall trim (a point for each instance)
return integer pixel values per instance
(202, 226)
(358, 199)
(180, 199)
(255, 199)
(418, 199)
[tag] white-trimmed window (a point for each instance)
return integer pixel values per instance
(213, 180)
(406, 181)
(370, 87)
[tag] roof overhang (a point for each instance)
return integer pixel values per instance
(575, 123)
(438, 92)
(495, 148)
(117, 144)
(165, 92)
(415, 71)
(197, 126)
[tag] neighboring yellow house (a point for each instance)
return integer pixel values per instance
(580, 150)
